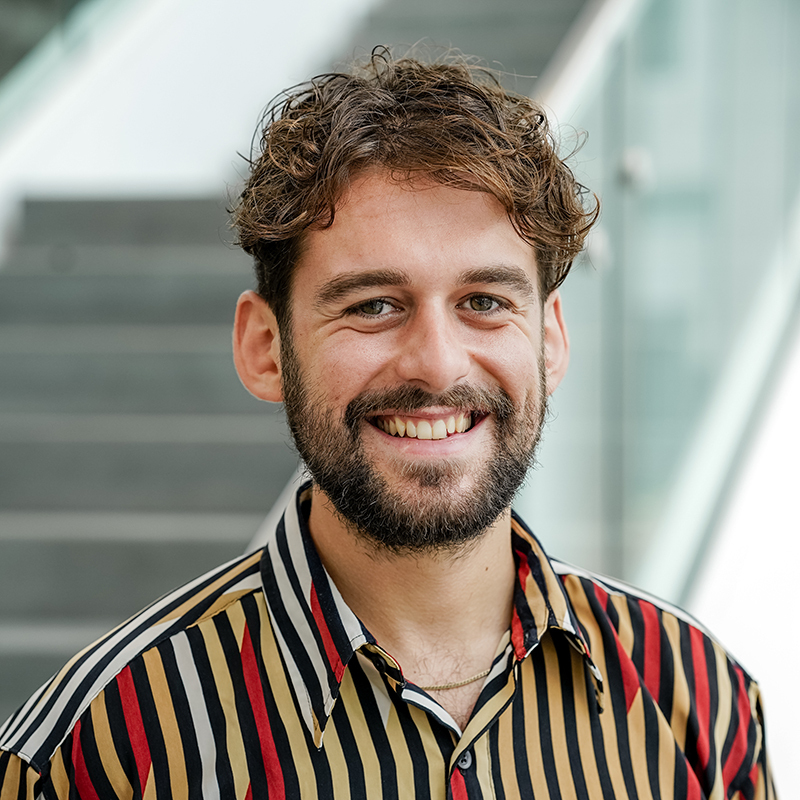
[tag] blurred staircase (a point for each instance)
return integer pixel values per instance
(131, 458)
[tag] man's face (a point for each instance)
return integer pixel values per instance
(414, 374)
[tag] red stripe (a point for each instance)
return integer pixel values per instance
(330, 648)
(83, 783)
(249, 795)
(135, 725)
(602, 596)
(738, 750)
(523, 571)
(630, 678)
(652, 649)
(693, 790)
(517, 636)
(458, 788)
(702, 695)
(252, 679)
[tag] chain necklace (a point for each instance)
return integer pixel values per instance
(455, 684)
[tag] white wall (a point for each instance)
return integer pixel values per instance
(747, 589)
(164, 94)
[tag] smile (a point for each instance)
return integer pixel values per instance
(418, 428)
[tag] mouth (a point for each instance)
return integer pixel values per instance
(410, 427)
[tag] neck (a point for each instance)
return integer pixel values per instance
(440, 615)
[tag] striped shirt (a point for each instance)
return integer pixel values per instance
(256, 680)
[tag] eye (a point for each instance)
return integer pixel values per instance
(483, 303)
(376, 307)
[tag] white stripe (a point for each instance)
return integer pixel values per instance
(430, 705)
(294, 609)
(187, 670)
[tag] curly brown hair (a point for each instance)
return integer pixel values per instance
(449, 121)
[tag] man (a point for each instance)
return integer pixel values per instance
(402, 633)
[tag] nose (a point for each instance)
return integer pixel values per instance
(433, 351)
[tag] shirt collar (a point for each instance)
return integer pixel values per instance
(318, 634)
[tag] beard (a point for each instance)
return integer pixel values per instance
(435, 514)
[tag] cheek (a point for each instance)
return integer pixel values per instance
(346, 367)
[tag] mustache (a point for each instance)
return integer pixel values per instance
(408, 399)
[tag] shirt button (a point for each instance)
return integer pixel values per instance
(464, 760)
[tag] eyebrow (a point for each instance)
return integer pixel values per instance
(504, 274)
(337, 288)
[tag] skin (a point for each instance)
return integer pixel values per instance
(430, 286)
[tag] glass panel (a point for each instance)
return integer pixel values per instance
(692, 147)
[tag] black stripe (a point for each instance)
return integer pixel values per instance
(568, 661)
(545, 731)
(377, 731)
(216, 716)
(288, 630)
(355, 767)
(416, 748)
(153, 730)
(667, 686)
(183, 716)
(519, 738)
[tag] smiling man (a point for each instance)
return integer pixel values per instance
(402, 633)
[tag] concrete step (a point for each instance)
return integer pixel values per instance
(44, 259)
(121, 369)
(120, 299)
(147, 222)
(144, 476)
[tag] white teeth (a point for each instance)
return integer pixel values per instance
(424, 430)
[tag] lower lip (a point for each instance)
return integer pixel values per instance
(434, 447)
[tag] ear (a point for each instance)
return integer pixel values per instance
(256, 348)
(556, 342)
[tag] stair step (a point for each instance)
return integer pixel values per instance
(191, 221)
(73, 260)
(120, 299)
(246, 429)
(199, 477)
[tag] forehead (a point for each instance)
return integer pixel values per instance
(430, 232)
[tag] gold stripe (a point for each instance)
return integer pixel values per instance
(637, 746)
(505, 748)
(583, 712)
(234, 744)
(680, 687)
(105, 746)
(9, 789)
(165, 709)
(558, 732)
(59, 779)
(531, 723)
(150, 786)
(363, 740)
(296, 731)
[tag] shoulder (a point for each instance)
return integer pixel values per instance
(655, 655)
(38, 729)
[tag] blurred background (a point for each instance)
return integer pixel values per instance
(131, 459)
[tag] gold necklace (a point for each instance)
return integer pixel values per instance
(455, 684)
